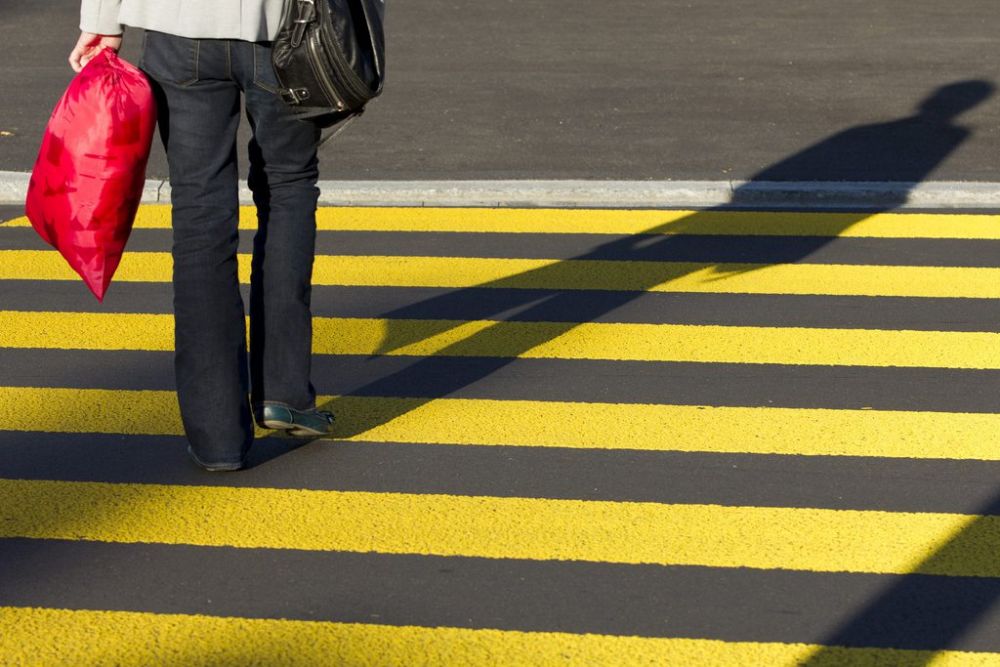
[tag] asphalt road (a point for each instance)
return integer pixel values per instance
(638, 438)
(548, 89)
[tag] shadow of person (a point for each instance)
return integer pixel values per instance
(903, 150)
(664, 256)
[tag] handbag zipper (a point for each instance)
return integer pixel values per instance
(353, 84)
(323, 77)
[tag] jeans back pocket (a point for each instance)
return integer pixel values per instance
(263, 70)
(170, 58)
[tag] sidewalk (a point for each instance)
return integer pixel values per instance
(955, 196)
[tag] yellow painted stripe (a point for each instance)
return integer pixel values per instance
(602, 221)
(516, 423)
(130, 639)
(86, 331)
(458, 272)
(554, 340)
(820, 540)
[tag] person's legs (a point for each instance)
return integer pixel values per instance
(199, 104)
(283, 174)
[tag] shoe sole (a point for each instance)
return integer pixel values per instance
(291, 429)
(228, 467)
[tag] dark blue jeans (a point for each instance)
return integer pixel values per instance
(199, 83)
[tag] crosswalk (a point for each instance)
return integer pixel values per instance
(563, 437)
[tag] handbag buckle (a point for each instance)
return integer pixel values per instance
(294, 95)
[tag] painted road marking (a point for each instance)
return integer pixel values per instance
(83, 637)
(459, 272)
(526, 423)
(819, 540)
(483, 526)
(612, 221)
(60, 636)
(541, 340)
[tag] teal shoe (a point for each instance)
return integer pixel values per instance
(294, 422)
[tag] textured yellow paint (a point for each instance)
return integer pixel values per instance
(516, 423)
(50, 265)
(86, 331)
(592, 221)
(480, 526)
(458, 272)
(622, 221)
(671, 427)
(558, 340)
(89, 411)
(658, 342)
(660, 276)
(31, 636)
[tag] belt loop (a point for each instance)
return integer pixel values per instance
(197, 59)
(253, 58)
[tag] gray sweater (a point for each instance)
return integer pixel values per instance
(252, 20)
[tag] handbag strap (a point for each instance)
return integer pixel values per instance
(341, 126)
(376, 51)
(306, 15)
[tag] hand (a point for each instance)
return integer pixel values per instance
(89, 45)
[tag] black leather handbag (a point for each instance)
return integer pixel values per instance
(329, 57)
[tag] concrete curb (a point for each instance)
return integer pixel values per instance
(13, 187)
(952, 195)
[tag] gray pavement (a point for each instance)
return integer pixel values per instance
(571, 89)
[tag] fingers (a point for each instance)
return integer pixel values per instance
(79, 58)
(76, 59)
(89, 45)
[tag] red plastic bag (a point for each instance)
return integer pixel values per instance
(91, 168)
